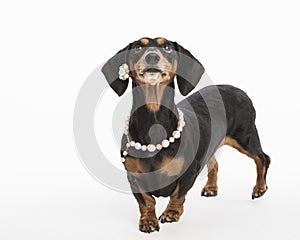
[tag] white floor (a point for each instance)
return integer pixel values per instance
(52, 200)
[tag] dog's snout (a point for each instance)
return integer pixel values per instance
(152, 58)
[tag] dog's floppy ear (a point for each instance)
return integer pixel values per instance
(111, 71)
(189, 70)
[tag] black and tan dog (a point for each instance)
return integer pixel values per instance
(213, 116)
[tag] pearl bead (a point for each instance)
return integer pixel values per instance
(125, 153)
(171, 139)
(165, 143)
(151, 147)
(179, 128)
(182, 123)
(126, 132)
(176, 134)
(132, 143)
(127, 145)
(158, 146)
(138, 146)
(123, 160)
(144, 148)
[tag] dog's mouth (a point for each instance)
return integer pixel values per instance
(152, 75)
(152, 70)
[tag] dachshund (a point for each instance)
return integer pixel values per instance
(166, 145)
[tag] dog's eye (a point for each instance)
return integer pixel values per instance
(167, 47)
(138, 48)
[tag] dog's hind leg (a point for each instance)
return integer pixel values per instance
(211, 187)
(249, 144)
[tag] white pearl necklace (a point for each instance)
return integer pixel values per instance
(153, 147)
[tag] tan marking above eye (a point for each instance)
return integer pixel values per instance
(144, 41)
(160, 41)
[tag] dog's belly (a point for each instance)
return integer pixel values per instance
(166, 191)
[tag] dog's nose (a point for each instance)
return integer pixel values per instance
(152, 58)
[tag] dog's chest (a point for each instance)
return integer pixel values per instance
(163, 165)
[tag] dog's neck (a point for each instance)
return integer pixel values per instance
(148, 126)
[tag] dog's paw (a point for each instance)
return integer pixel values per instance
(169, 216)
(258, 191)
(148, 224)
(209, 191)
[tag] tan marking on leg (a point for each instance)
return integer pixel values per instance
(149, 206)
(160, 41)
(211, 187)
(148, 221)
(171, 166)
(233, 143)
(174, 209)
(261, 185)
(144, 41)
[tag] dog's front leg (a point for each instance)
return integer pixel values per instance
(174, 209)
(148, 221)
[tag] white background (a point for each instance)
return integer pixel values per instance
(47, 50)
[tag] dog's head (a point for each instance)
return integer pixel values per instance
(153, 64)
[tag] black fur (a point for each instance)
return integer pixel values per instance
(111, 70)
(211, 114)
